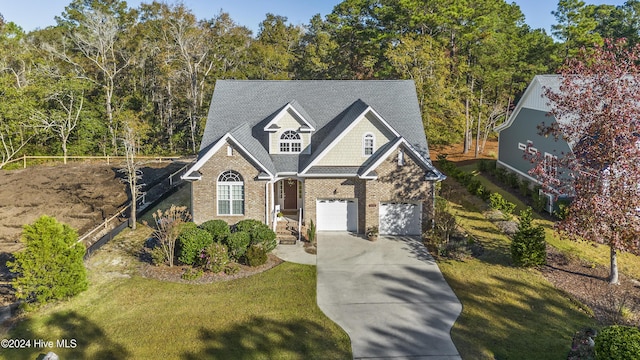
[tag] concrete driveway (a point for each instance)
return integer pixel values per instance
(388, 295)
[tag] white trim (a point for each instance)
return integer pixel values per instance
(290, 142)
(281, 114)
(390, 151)
(230, 185)
(368, 136)
(522, 146)
(499, 162)
(214, 149)
(531, 89)
(335, 141)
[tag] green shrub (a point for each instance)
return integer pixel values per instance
(265, 237)
(219, 229)
(256, 256)
(618, 343)
(500, 174)
(190, 242)
(524, 188)
(311, 233)
(231, 269)
(497, 202)
(51, 266)
(528, 247)
(259, 233)
(237, 244)
(214, 257)
(247, 225)
(562, 210)
(191, 274)
(158, 256)
(473, 186)
(512, 180)
(539, 200)
(485, 165)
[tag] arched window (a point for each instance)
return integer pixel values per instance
(230, 193)
(290, 142)
(368, 144)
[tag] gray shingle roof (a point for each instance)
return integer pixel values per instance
(326, 104)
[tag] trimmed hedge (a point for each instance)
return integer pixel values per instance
(237, 243)
(259, 233)
(618, 343)
(191, 241)
(256, 256)
(219, 229)
(214, 257)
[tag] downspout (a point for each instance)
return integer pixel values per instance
(266, 203)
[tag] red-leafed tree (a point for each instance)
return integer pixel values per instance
(598, 113)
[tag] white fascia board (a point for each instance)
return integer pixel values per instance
(535, 83)
(394, 148)
(281, 114)
(223, 140)
(345, 132)
(327, 175)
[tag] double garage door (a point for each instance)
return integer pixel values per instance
(396, 218)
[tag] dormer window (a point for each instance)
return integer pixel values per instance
(290, 142)
(368, 144)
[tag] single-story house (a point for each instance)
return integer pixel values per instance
(347, 155)
(520, 139)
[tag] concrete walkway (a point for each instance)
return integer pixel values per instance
(295, 254)
(388, 295)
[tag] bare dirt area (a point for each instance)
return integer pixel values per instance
(79, 194)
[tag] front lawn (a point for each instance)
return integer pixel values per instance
(508, 312)
(271, 315)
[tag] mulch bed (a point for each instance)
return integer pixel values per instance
(174, 273)
(588, 284)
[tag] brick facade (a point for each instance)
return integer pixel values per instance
(204, 202)
(394, 183)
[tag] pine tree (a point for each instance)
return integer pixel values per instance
(528, 247)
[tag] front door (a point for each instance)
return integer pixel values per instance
(290, 194)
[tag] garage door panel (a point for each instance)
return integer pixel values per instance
(400, 218)
(337, 215)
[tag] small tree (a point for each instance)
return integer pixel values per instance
(167, 230)
(51, 266)
(598, 107)
(131, 170)
(528, 247)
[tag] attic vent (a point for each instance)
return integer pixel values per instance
(400, 158)
(229, 151)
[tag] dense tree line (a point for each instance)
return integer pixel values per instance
(72, 88)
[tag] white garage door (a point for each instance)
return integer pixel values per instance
(400, 218)
(337, 215)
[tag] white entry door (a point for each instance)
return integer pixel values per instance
(400, 218)
(337, 215)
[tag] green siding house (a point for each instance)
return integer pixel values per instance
(520, 140)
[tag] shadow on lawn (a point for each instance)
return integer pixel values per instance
(513, 319)
(260, 338)
(64, 330)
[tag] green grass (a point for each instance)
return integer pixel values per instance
(628, 264)
(508, 312)
(271, 315)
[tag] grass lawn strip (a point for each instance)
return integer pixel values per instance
(628, 264)
(271, 315)
(508, 312)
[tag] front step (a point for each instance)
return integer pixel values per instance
(287, 231)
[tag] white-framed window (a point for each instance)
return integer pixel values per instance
(550, 165)
(290, 142)
(230, 193)
(368, 144)
(522, 146)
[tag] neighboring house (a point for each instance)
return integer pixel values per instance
(520, 139)
(346, 154)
